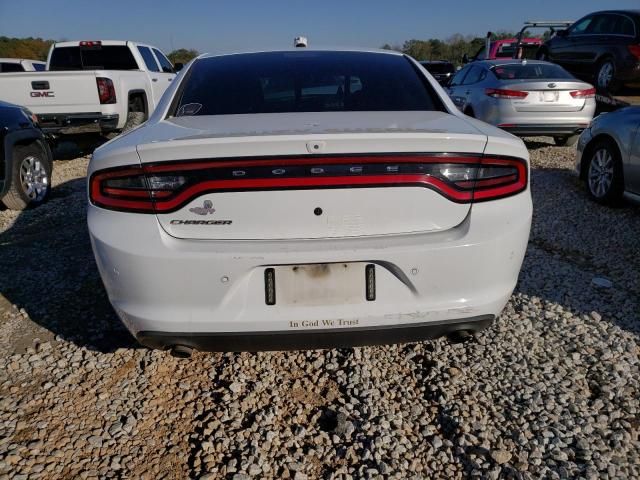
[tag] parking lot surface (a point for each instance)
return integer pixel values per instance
(551, 390)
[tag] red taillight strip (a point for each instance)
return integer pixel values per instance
(123, 192)
(587, 93)
(165, 201)
(320, 182)
(492, 193)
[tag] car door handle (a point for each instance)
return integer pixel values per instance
(154, 79)
(467, 92)
(169, 78)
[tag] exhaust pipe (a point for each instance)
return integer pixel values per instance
(181, 351)
(460, 336)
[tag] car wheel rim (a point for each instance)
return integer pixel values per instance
(605, 75)
(34, 178)
(601, 173)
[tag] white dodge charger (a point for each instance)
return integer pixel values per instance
(306, 199)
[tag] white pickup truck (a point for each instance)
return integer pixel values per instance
(92, 86)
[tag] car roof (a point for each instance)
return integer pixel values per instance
(632, 11)
(509, 61)
(306, 49)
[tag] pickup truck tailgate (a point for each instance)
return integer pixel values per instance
(51, 92)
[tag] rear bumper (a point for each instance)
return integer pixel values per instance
(74, 123)
(330, 338)
(530, 130)
(210, 294)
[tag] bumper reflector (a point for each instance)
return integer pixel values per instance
(270, 286)
(370, 279)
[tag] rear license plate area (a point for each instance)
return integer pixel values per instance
(320, 284)
(549, 96)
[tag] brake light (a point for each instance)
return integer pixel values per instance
(501, 93)
(90, 43)
(166, 187)
(106, 91)
(634, 50)
(587, 93)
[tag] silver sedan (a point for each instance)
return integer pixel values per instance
(525, 97)
(608, 158)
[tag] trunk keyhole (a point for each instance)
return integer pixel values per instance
(317, 211)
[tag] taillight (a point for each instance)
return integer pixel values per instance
(501, 93)
(587, 93)
(634, 50)
(106, 91)
(90, 43)
(166, 187)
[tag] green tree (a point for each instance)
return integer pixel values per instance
(31, 48)
(182, 55)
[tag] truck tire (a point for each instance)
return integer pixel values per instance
(134, 119)
(30, 177)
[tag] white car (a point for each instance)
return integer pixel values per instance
(97, 86)
(300, 199)
(13, 65)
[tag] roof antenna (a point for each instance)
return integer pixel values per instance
(300, 42)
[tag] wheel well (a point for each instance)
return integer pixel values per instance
(25, 142)
(138, 102)
(588, 150)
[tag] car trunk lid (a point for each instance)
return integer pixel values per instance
(309, 176)
(548, 96)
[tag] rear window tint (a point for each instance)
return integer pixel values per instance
(278, 82)
(530, 71)
(110, 57)
(11, 67)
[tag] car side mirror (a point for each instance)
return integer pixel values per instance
(178, 66)
(465, 58)
(562, 33)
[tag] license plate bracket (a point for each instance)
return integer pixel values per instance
(320, 284)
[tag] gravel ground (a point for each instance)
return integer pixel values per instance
(551, 390)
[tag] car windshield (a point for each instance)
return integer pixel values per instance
(531, 71)
(304, 81)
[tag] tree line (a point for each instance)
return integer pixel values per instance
(38, 49)
(451, 49)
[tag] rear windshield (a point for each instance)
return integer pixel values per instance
(439, 67)
(278, 82)
(110, 57)
(536, 71)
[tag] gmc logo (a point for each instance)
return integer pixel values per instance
(48, 94)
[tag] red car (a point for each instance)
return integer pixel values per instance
(506, 48)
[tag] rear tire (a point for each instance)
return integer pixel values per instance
(606, 76)
(604, 176)
(134, 120)
(136, 114)
(566, 141)
(30, 177)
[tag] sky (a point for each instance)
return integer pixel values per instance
(230, 26)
